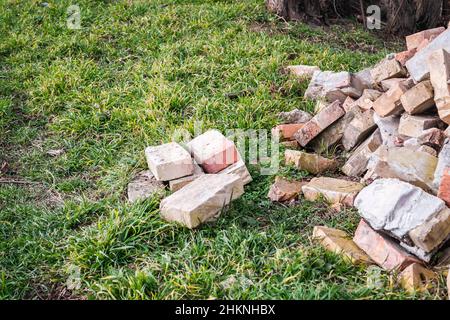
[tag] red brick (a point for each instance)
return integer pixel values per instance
(404, 56)
(287, 131)
(384, 251)
(444, 188)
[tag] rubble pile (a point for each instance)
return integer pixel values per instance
(204, 176)
(390, 125)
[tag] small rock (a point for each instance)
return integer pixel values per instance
(312, 163)
(303, 72)
(413, 41)
(55, 152)
(169, 161)
(383, 251)
(332, 190)
(202, 200)
(294, 116)
(339, 242)
(287, 131)
(143, 186)
(387, 69)
(319, 123)
(284, 190)
(419, 98)
(417, 278)
(414, 126)
(213, 151)
(389, 103)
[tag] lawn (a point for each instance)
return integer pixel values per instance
(135, 73)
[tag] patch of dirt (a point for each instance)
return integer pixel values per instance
(56, 291)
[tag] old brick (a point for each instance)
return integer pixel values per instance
(202, 200)
(339, 242)
(213, 151)
(292, 144)
(367, 99)
(356, 165)
(388, 128)
(320, 122)
(312, 163)
(348, 103)
(404, 56)
(389, 103)
(416, 278)
(405, 164)
(332, 190)
(443, 163)
(429, 235)
(287, 131)
(239, 168)
(444, 188)
(414, 126)
(418, 66)
(387, 69)
(169, 161)
(419, 98)
(383, 251)
(284, 190)
(439, 66)
(414, 40)
(358, 129)
(179, 183)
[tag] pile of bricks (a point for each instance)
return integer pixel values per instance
(390, 123)
(204, 176)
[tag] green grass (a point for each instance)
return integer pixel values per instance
(135, 73)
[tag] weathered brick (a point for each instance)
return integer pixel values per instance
(330, 86)
(404, 56)
(358, 129)
(417, 278)
(239, 168)
(332, 190)
(320, 122)
(444, 188)
(414, 40)
(339, 242)
(419, 98)
(389, 103)
(312, 163)
(294, 116)
(302, 71)
(414, 126)
(439, 66)
(177, 184)
(429, 235)
(382, 250)
(213, 151)
(287, 131)
(201, 200)
(284, 190)
(169, 161)
(387, 69)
